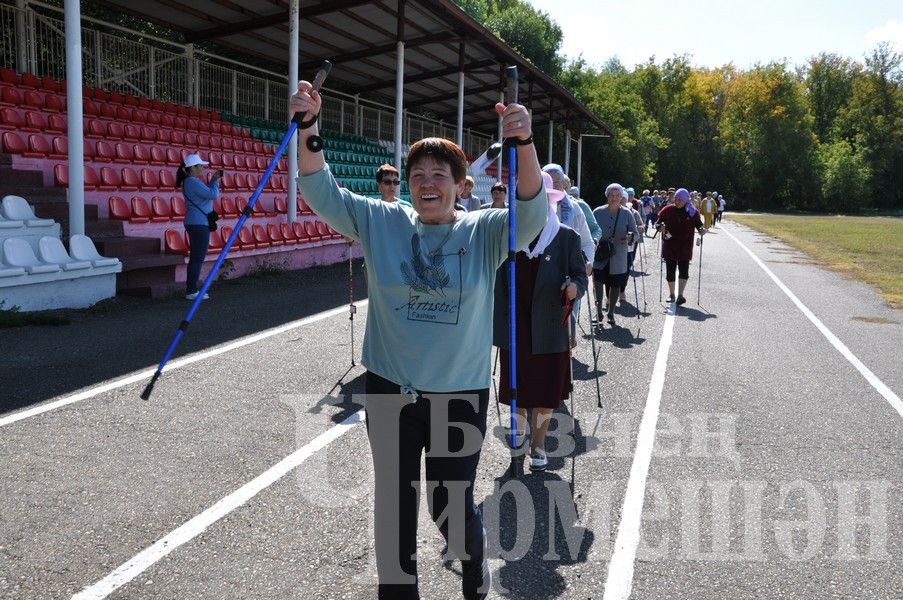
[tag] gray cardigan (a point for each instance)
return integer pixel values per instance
(564, 259)
(607, 224)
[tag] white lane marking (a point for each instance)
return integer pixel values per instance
(620, 568)
(888, 394)
(144, 376)
(139, 563)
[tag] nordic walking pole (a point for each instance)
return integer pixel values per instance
(592, 334)
(183, 326)
(643, 281)
(699, 283)
(352, 309)
(636, 295)
(495, 363)
(511, 98)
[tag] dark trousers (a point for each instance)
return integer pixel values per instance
(683, 266)
(396, 463)
(199, 237)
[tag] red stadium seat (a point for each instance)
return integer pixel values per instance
(321, 229)
(123, 152)
(241, 204)
(300, 232)
(107, 111)
(228, 182)
(34, 121)
(116, 131)
(191, 139)
(260, 236)
(132, 133)
(226, 232)
(130, 180)
(13, 144)
(178, 206)
(88, 150)
(54, 103)
(311, 231)
(167, 120)
(60, 148)
(167, 181)
(10, 119)
(38, 146)
(174, 243)
(228, 161)
(246, 238)
(141, 154)
(139, 117)
(92, 181)
(9, 76)
(157, 156)
(193, 113)
(29, 80)
(61, 175)
(56, 123)
(204, 126)
(163, 136)
(119, 209)
(109, 179)
(258, 210)
(157, 105)
(216, 142)
(229, 208)
(173, 158)
(10, 96)
(154, 119)
(288, 234)
(145, 104)
(247, 146)
(33, 100)
(262, 163)
(150, 179)
(96, 129)
(130, 100)
(123, 113)
(216, 241)
(103, 152)
(171, 108)
(116, 97)
(161, 209)
(147, 134)
(100, 94)
(180, 123)
(226, 143)
(216, 160)
(275, 235)
(281, 205)
(178, 138)
(141, 210)
(48, 84)
(216, 127)
(192, 124)
(90, 109)
(259, 148)
(204, 114)
(246, 134)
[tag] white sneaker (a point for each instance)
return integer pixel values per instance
(538, 460)
(195, 295)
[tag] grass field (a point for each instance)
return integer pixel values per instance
(866, 248)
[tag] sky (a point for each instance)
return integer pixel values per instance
(717, 32)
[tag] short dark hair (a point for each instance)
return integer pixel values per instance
(441, 150)
(498, 185)
(382, 170)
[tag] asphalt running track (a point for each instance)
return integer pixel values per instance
(743, 451)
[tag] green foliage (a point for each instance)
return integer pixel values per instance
(531, 33)
(478, 9)
(845, 177)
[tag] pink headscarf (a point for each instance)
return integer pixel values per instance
(683, 194)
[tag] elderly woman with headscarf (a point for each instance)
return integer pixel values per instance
(676, 223)
(618, 227)
(550, 272)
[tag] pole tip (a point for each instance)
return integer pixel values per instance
(146, 394)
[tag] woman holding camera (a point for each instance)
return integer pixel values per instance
(198, 223)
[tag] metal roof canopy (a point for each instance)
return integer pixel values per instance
(360, 39)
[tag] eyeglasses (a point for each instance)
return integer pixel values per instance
(390, 182)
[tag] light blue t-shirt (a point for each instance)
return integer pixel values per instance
(429, 319)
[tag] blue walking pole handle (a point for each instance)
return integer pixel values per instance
(511, 98)
(183, 326)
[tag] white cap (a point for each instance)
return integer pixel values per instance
(193, 160)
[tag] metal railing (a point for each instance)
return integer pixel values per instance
(118, 59)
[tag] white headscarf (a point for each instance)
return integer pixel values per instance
(550, 229)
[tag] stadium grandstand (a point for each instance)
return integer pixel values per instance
(91, 139)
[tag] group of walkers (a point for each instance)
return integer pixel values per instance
(435, 267)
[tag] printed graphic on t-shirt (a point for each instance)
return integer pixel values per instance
(434, 279)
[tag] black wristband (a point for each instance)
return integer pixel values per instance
(308, 123)
(509, 142)
(314, 143)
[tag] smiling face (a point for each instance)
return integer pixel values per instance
(434, 190)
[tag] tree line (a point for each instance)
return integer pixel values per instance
(823, 136)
